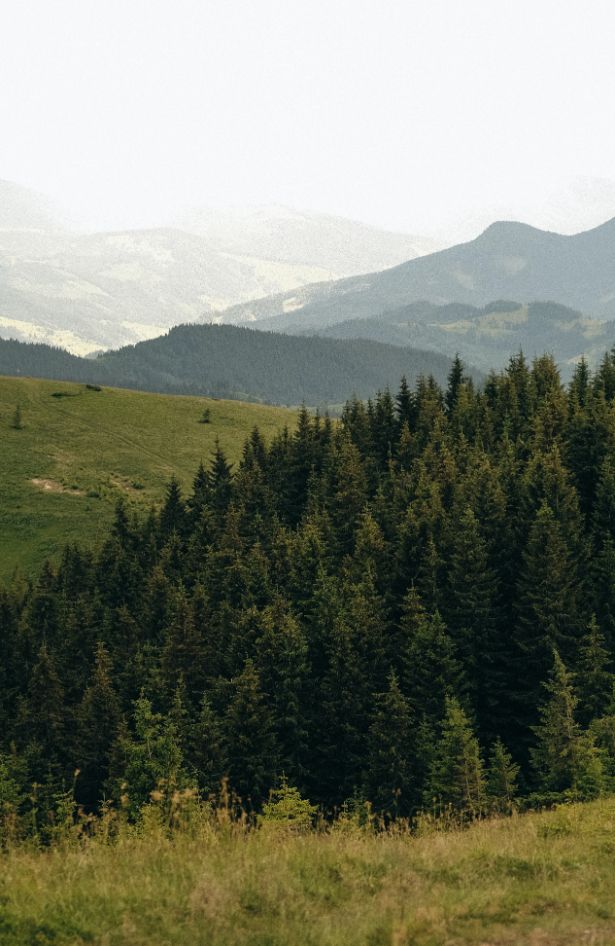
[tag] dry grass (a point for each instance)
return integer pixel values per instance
(537, 879)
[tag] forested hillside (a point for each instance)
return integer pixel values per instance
(230, 362)
(414, 607)
(487, 336)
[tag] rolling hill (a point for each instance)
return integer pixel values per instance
(81, 450)
(333, 245)
(230, 361)
(93, 291)
(507, 261)
(487, 337)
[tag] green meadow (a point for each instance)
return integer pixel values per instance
(542, 879)
(79, 450)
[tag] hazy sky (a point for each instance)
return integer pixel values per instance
(426, 116)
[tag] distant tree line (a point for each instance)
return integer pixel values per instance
(231, 362)
(414, 606)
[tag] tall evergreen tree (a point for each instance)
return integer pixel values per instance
(248, 738)
(390, 784)
(457, 774)
(98, 719)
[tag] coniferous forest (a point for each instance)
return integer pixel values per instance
(413, 606)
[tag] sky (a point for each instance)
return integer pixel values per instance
(425, 117)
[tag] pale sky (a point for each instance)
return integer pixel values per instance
(427, 117)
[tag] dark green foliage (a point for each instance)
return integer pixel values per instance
(368, 609)
(249, 740)
(391, 750)
(98, 721)
(232, 362)
(593, 678)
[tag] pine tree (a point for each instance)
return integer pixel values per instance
(428, 666)
(593, 679)
(281, 658)
(389, 782)
(98, 719)
(472, 617)
(455, 380)
(17, 422)
(548, 618)
(151, 759)
(249, 741)
(502, 775)
(556, 755)
(457, 778)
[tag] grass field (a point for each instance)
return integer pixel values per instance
(61, 475)
(539, 879)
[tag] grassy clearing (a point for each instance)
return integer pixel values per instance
(543, 879)
(86, 448)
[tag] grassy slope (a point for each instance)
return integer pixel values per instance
(95, 446)
(543, 879)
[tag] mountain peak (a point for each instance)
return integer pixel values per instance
(512, 228)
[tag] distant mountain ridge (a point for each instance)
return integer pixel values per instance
(508, 260)
(332, 244)
(487, 336)
(95, 291)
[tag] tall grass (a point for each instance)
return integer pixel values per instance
(542, 878)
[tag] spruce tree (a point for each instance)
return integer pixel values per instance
(556, 754)
(17, 422)
(593, 678)
(248, 737)
(472, 618)
(98, 719)
(389, 782)
(456, 779)
(152, 760)
(282, 662)
(547, 617)
(428, 666)
(455, 381)
(203, 749)
(502, 777)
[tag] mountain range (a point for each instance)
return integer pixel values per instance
(92, 291)
(507, 261)
(486, 336)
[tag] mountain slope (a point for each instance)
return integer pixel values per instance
(25, 209)
(101, 290)
(332, 244)
(507, 261)
(78, 454)
(228, 361)
(486, 337)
